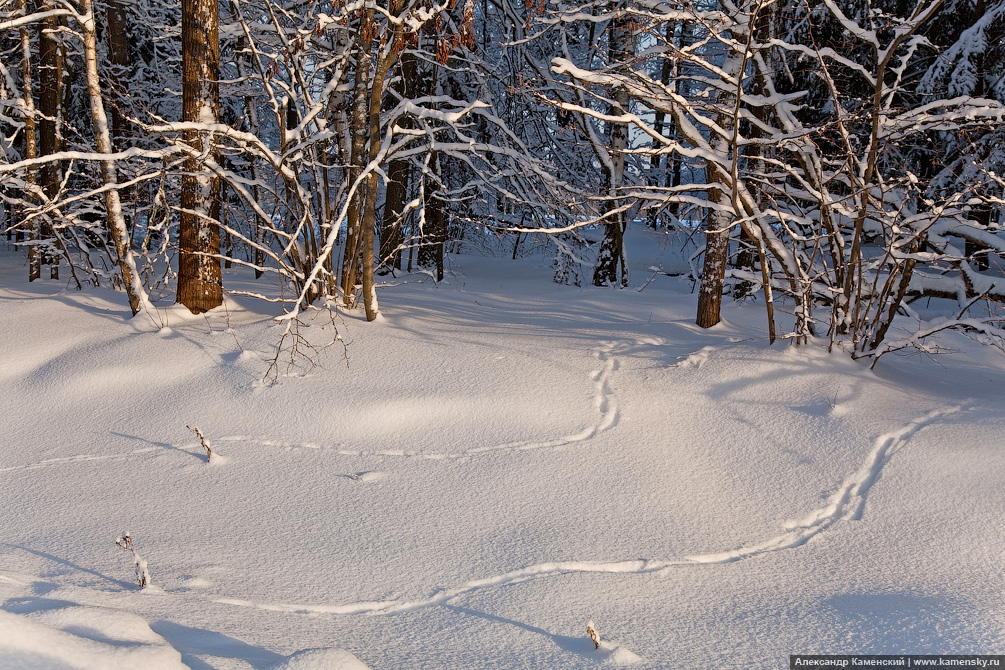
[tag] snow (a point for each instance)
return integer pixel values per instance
(82, 638)
(496, 462)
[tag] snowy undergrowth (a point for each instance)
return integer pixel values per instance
(501, 461)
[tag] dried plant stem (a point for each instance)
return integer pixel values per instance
(203, 441)
(593, 635)
(139, 563)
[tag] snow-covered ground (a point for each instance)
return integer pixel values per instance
(494, 464)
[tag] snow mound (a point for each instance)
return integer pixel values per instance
(609, 653)
(83, 638)
(322, 659)
(617, 655)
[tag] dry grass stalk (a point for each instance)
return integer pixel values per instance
(203, 441)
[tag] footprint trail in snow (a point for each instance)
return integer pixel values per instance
(603, 400)
(847, 503)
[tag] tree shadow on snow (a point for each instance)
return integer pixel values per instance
(74, 566)
(190, 642)
(31, 605)
(577, 645)
(905, 623)
(162, 445)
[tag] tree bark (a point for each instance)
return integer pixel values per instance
(200, 283)
(434, 234)
(657, 162)
(713, 269)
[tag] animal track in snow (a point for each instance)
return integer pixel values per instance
(693, 360)
(80, 458)
(603, 400)
(847, 503)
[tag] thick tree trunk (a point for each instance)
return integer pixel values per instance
(200, 284)
(391, 237)
(720, 218)
(714, 266)
(434, 233)
(50, 79)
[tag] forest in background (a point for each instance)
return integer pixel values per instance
(841, 160)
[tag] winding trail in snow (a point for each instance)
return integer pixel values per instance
(846, 503)
(603, 400)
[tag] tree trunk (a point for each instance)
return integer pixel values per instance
(658, 162)
(359, 127)
(720, 218)
(50, 79)
(396, 195)
(200, 284)
(611, 257)
(116, 222)
(30, 139)
(387, 54)
(118, 55)
(982, 213)
(391, 237)
(434, 234)
(713, 270)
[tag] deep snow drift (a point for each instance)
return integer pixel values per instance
(494, 463)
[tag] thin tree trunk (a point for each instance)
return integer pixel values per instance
(118, 55)
(116, 222)
(200, 283)
(386, 57)
(359, 127)
(982, 213)
(657, 162)
(30, 139)
(611, 257)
